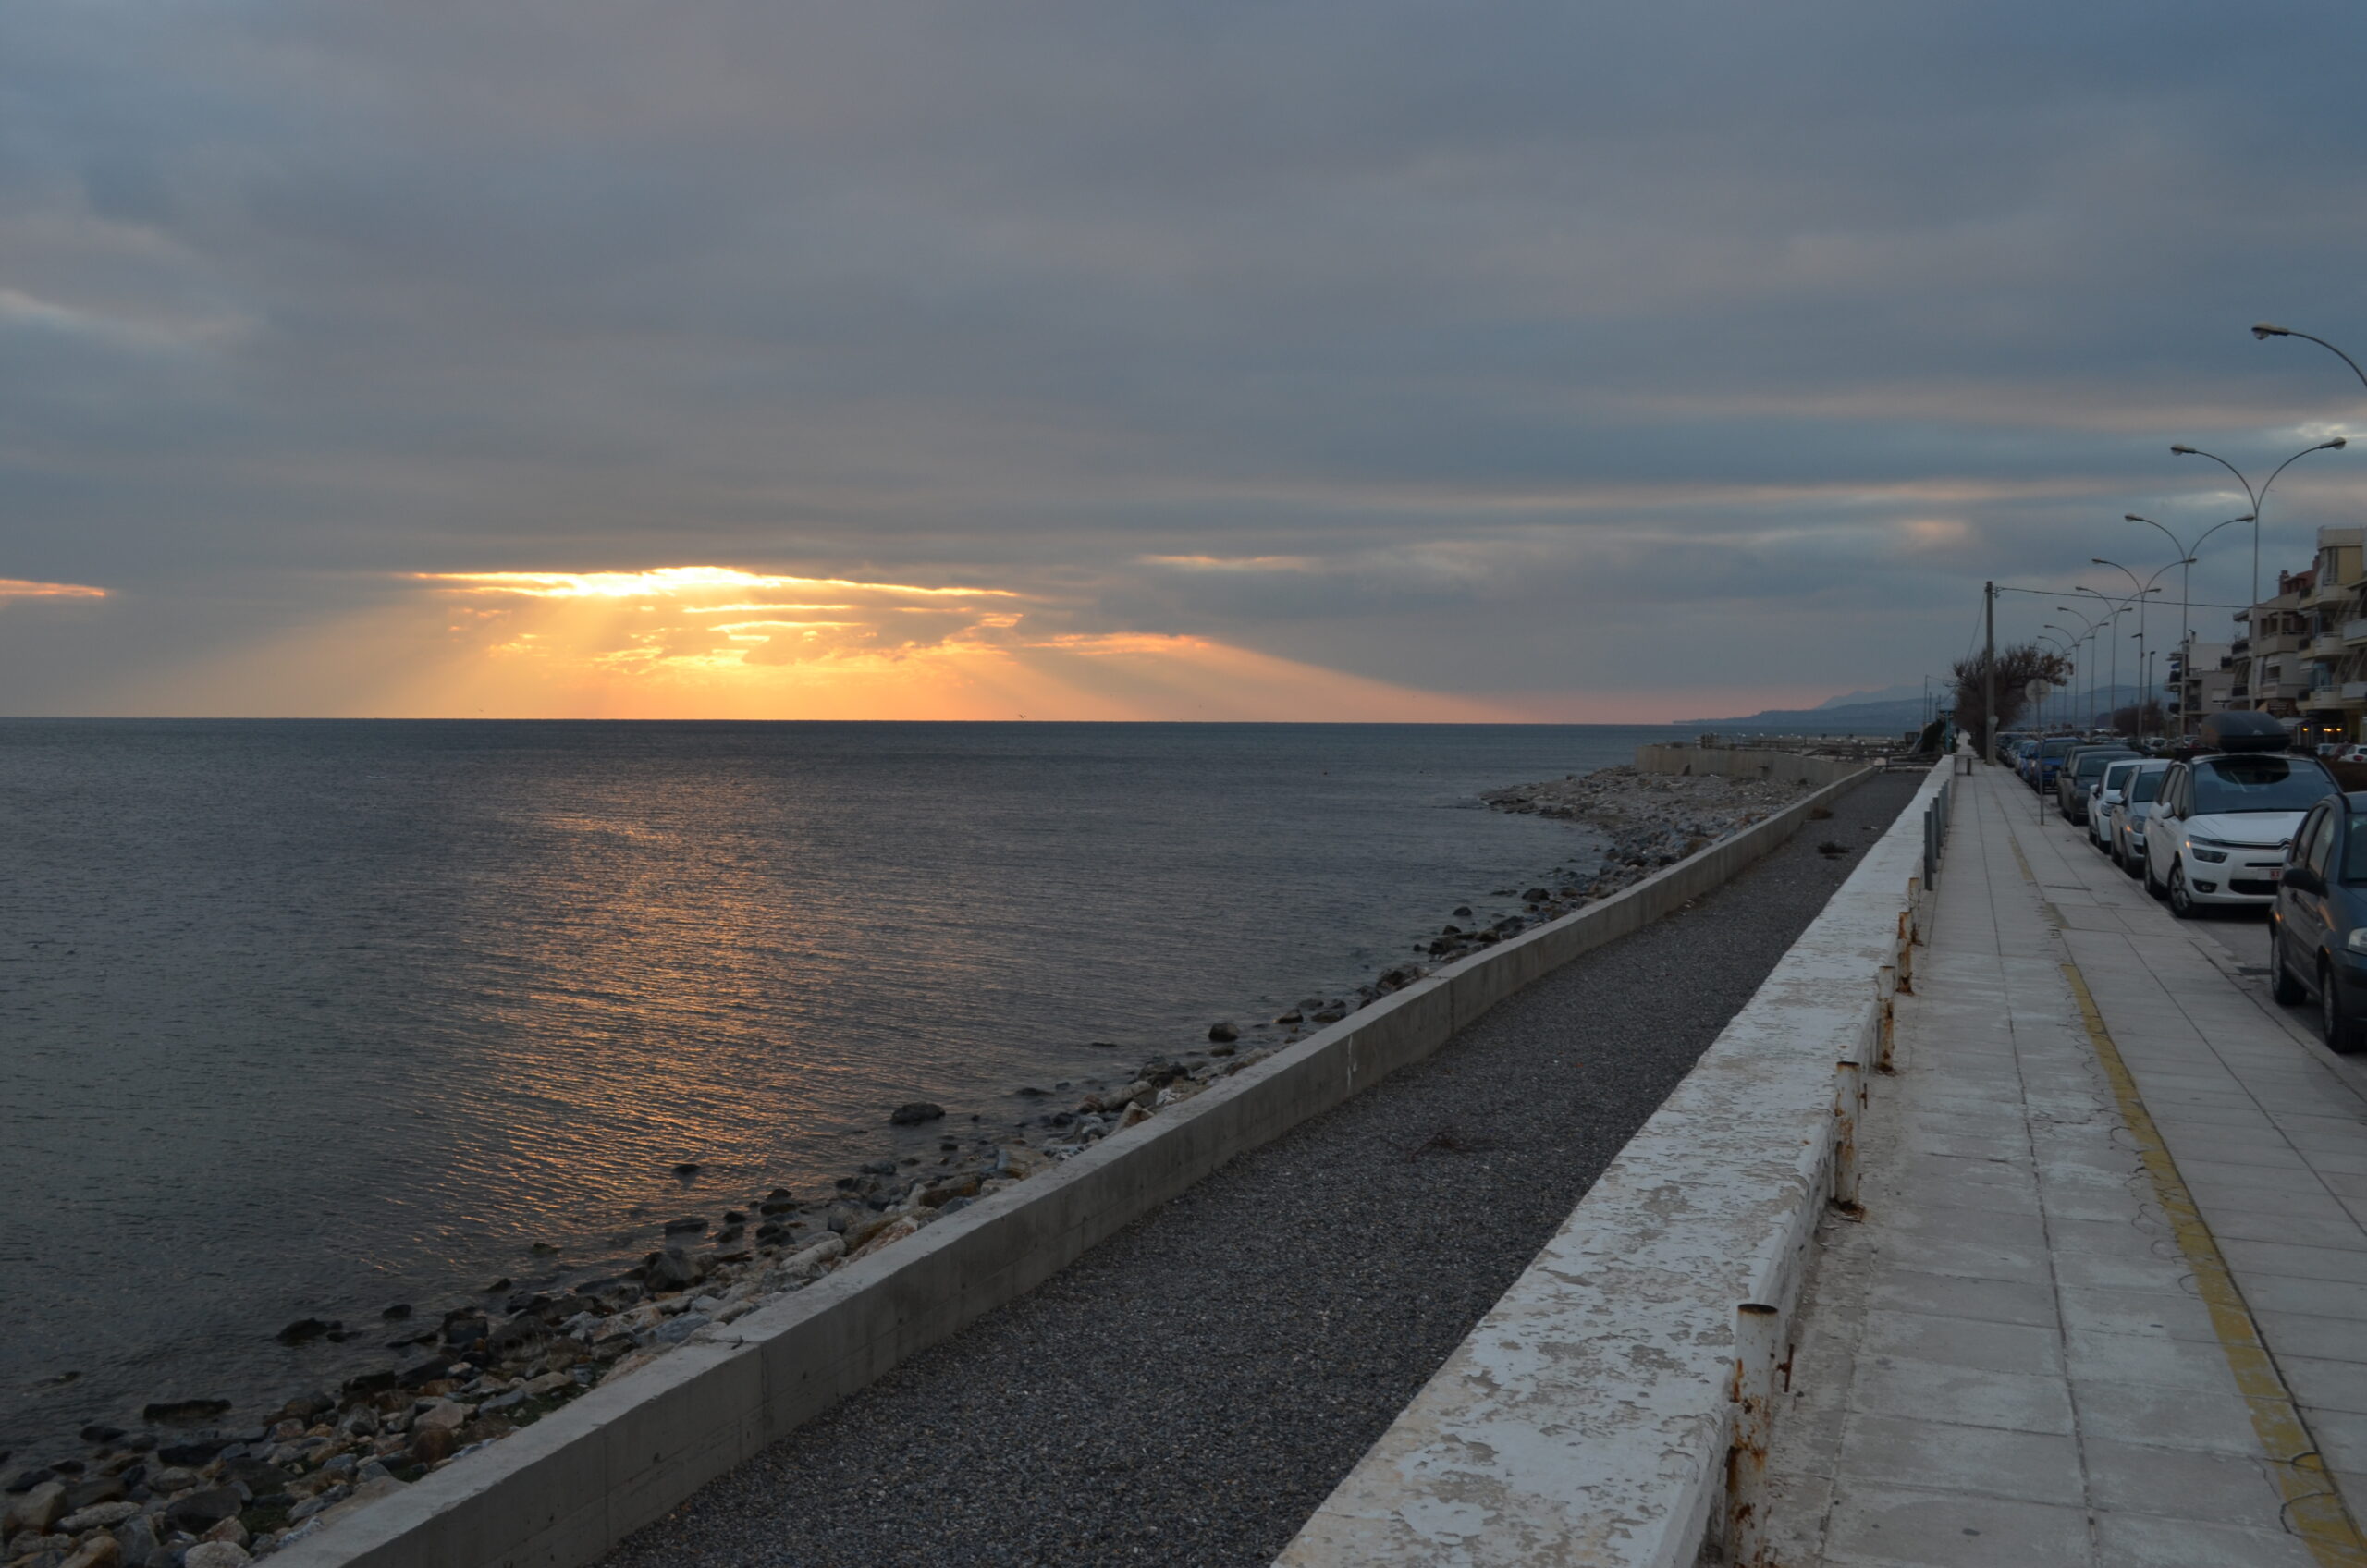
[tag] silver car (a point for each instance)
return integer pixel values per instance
(2125, 833)
(2104, 794)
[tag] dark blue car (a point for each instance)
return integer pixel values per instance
(2317, 929)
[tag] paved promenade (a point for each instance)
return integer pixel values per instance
(2108, 1301)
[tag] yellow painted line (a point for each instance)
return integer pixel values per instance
(2313, 1509)
(2014, 843)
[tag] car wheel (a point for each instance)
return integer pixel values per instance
(2341, 1033)
(2287, 991)
(2181, 898)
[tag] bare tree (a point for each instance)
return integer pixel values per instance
(2018, 666)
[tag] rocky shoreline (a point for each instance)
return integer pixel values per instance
(186, 1491)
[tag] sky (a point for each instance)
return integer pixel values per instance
(1301, 360)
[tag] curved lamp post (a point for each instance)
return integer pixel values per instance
(2145, 670)
(2088, 634)
(2183, 450)
(2193, 553)
(2266, 330)
(2105, 631)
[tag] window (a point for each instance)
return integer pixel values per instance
(2259, 783)
(2315, 839)
(2147, 785)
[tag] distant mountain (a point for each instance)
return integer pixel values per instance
(1843, 716)
(1867, 699)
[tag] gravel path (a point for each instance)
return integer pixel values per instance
(1190, 1390)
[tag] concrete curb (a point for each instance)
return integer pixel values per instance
(1591, 1416)
(568, 1488)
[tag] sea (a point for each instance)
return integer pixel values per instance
(311, 1017)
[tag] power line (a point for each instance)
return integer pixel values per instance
(2197, 604)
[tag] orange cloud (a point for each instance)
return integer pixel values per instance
(723, 642)
(18, 588)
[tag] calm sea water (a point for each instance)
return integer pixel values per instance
(307, 1018)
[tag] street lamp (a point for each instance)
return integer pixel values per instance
(2266, 330)
(2145, 671)
(2103, 632)
(2193, 553)
(2183, 450)
(2088, 634)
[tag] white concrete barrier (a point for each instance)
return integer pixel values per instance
(565, 1489)
(1730, 762)
(1588, 1419)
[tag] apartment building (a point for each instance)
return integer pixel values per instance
(2202, 681)
(2334, 660)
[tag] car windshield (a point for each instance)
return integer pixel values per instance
(2260, 783)
(2093, 764)
(2147, 785)
(2117, 776)
(2054, 748)
(2354, 853)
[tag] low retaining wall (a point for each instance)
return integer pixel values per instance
(1591, 1417)
(1792, 768)
(565, 1489)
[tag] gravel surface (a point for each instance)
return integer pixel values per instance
(1190, 1390)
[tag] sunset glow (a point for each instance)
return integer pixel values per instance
(716, 642)
(17, 588)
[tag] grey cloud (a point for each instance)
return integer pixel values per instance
(1043, 290)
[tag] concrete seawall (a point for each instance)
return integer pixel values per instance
(564, 1490)
(1790, 768)
(1590, 1417)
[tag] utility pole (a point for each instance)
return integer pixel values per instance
(1989, 673)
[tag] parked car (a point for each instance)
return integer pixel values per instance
(2125, 834)
(2044, 760)
(2219, 830)
(2104, 793)
(2080, 767)
(2317, 933)
(2020, 758)
(2009, 744)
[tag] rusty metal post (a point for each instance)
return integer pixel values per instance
(1906, 965)
(1757, 1338)
(1848, 1100)
(1885, 988)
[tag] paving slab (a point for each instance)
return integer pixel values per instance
(2106, 1302)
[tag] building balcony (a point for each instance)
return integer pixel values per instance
(2326, 647)
(2354, 690)
(2354, 631)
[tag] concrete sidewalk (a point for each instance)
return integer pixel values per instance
(2107, 1303)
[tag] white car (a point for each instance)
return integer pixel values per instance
(2218, 831)
(2125, 823)
(2104, 794)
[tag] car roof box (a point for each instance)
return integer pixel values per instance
(2243, 730)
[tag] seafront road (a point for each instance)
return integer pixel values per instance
(1190, 1390)
(2107, 1303)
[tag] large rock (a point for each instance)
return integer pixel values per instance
(447, 1415)
(916, 1112)
(674, 1270)
(200, 1511)
(136, 1539)
(36, 1509)
(182, 1412)
(1223, 1033)
(100, 1553)
(896, 1230)
(98, 1517)
(813, 1260)
(216, 1554)
(937, 1194)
